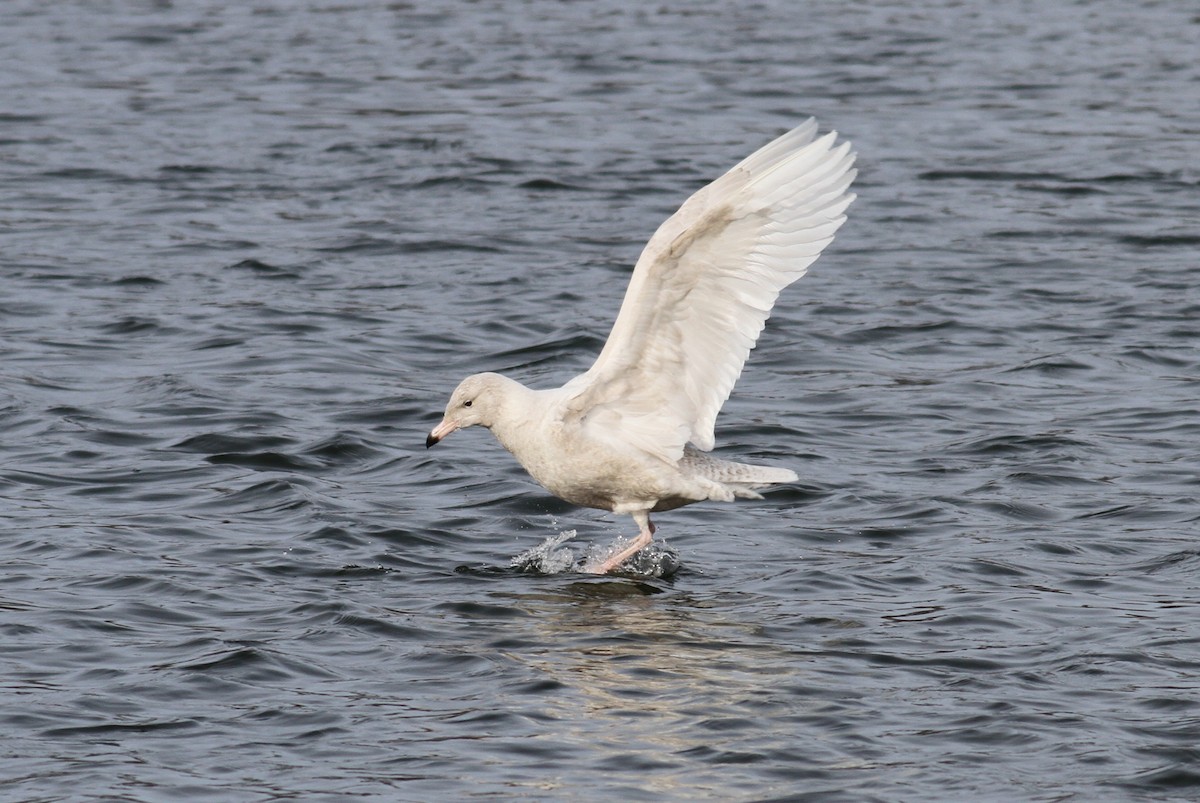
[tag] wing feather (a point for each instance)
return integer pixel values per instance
(703, 288)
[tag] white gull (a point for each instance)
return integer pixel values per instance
(630, 434)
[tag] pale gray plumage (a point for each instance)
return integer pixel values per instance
(629, 434)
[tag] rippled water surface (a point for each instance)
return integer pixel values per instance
(248, 249)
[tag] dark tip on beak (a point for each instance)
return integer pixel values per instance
(430, 440)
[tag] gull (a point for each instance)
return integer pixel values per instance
(630, 435)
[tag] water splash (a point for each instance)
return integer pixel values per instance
(548, 557)
(552, 557)
(656, 560)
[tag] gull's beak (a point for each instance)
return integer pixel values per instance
(440, 431)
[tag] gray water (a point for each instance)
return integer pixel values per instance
(247, 249)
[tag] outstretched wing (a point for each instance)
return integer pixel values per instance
(703, 289)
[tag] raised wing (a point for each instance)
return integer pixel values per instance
(703, 289)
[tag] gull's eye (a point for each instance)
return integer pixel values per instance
(467, 403)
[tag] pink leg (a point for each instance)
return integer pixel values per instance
(646, 532)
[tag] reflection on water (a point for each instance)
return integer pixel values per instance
(657, 687)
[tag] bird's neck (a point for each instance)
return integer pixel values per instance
(523, 412)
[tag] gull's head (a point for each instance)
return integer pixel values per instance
(475, 401)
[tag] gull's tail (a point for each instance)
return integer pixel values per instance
(740, 479)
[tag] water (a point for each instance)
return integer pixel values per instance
(248, 249)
